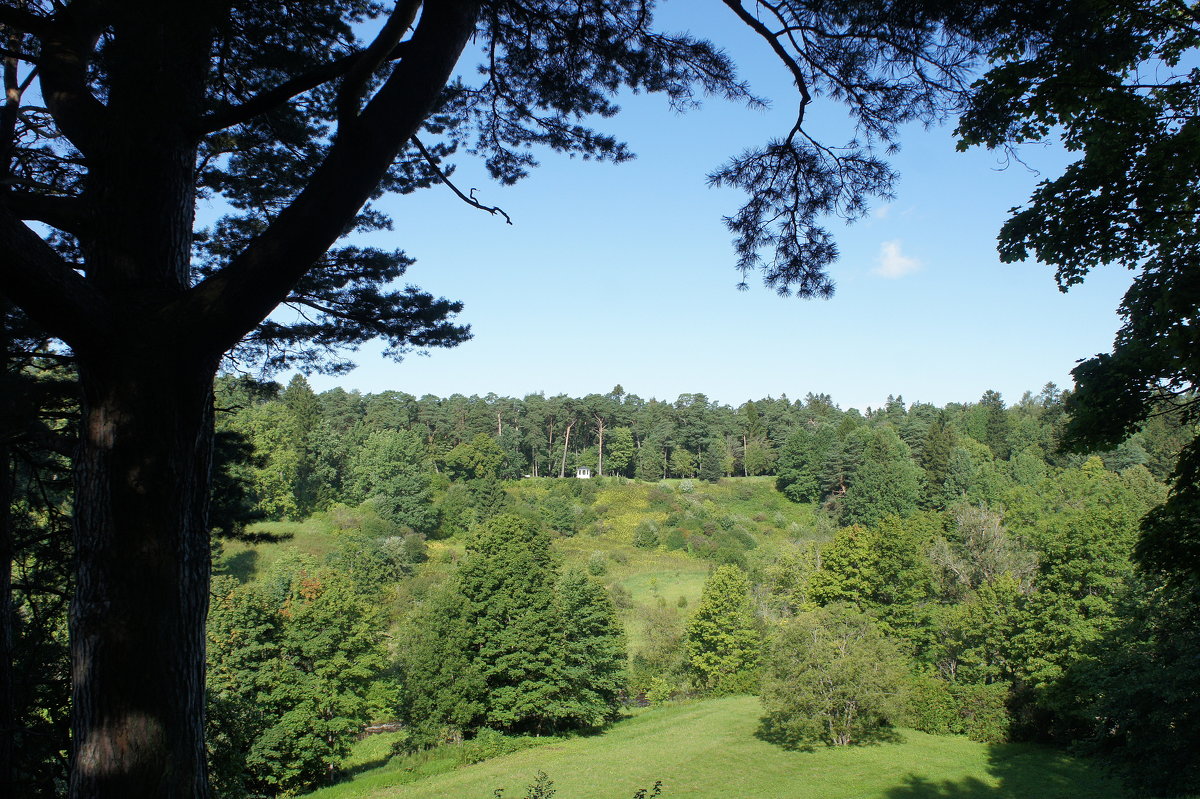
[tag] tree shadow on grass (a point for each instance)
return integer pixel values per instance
(1021, 771)
(786, 738)
(916, 787)
(240, 565)
(354, 771)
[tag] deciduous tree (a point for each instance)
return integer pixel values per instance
(1115, 84)
(392, 469)
(831, 677)
(594, 651)
(292, 682)
(722, 636)
(620, 451)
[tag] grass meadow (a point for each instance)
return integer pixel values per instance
(708, 749)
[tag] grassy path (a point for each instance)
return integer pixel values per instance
(708, 749)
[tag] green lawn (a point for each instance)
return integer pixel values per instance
(708, 749)
(646, 587)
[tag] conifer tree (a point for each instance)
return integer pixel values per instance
(935, 458)
(505, 645)
(303, 430)
(996, 424)
(651, 460)
(712, 460)
(885, 479)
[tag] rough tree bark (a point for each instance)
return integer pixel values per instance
(141, 596)
(8, 721)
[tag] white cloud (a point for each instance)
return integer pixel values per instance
(882, 211)
(892, 263)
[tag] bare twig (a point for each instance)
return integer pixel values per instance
(469, 199)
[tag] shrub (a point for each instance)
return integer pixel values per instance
(729, 556)
(932, 707)
(646, 535)
(983, 710)
(662, 689)
(747, 681)
(587, 490)
(620, 596)
(559, 514)
(489, 743)
(598, 564)
(659, 498)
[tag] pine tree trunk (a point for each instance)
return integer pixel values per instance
(141, 598)
(8, 720)
(562, 472)
(600, 450)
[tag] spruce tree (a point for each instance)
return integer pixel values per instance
(885, 481)
(996, 424)
(505, 645)
(935, 458)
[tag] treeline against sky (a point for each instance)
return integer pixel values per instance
(315, 450)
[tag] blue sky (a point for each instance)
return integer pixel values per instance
(624, 273)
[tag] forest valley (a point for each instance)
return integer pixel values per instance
(171, 174)
(952, 570)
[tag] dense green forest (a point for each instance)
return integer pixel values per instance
(432, 566)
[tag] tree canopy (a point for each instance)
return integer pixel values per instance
(1115, 82)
